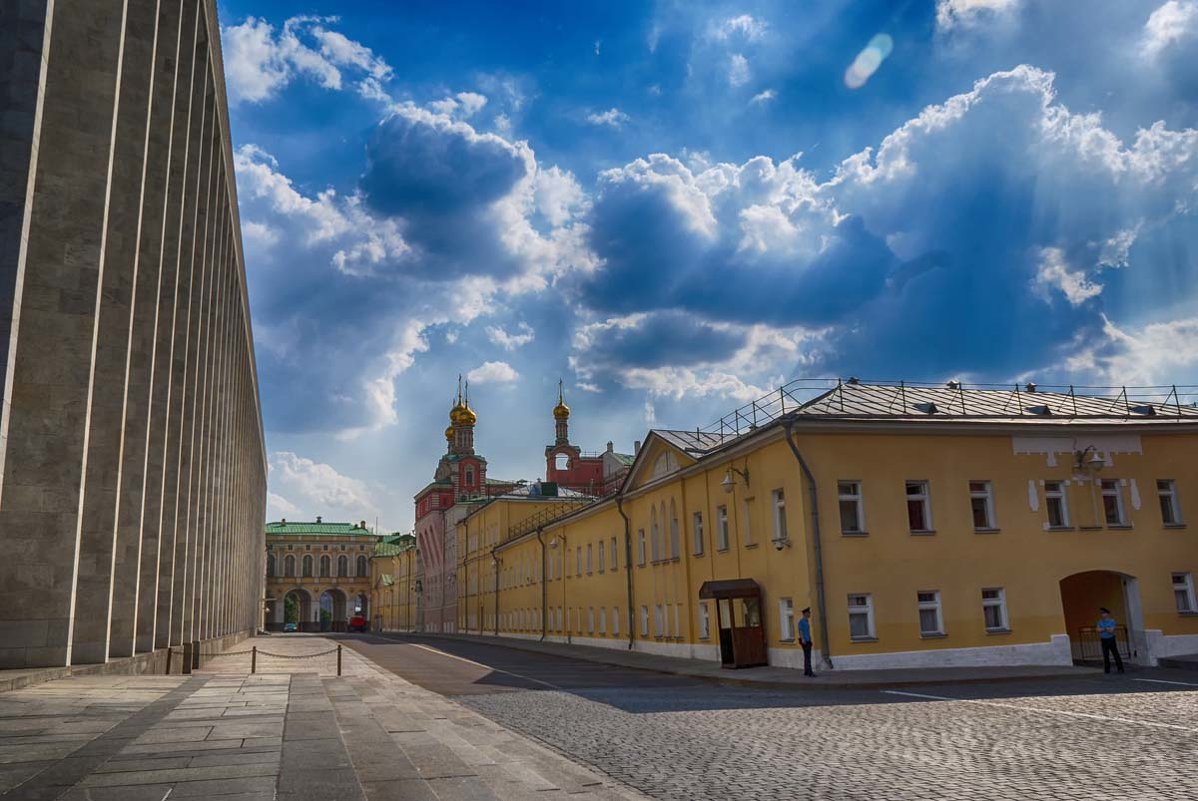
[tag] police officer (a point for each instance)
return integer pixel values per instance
(805, 641)
(1110, 645)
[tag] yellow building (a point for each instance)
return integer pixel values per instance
(318, 570)
(923, 526)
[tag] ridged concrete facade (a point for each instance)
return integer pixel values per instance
(132, 460)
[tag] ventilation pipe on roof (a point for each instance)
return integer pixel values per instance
(824, 647)
(636, 447)
(318, 518)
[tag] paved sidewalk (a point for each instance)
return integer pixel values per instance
(775, 677)
(294, 731)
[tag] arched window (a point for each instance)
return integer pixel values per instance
(361, 565)
(326, 566)
(270, 565)
(289, 566)
(307, 565)
(343, 566)
(675, 540)
(654, 536)
(561, 461)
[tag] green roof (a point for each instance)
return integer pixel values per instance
(389, 549)
(399, 539)
(323, 529)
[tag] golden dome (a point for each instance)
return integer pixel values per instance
(449, 434)
(561, 411)
(467, 417)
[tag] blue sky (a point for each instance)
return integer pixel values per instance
(677, 206)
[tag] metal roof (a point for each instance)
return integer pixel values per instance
(318, 529)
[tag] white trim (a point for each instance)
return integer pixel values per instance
(1054, 652)
(1166, 645)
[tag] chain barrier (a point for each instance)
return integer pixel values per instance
(191, 656)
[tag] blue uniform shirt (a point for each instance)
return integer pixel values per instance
(1106, 627)
(804, 630)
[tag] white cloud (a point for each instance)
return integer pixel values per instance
(1054, 273)
(1147, 356)
(1173, 22)
(612, 117)
(744, 25)
(738, 70)
(493, 373)
(309, 488)
(511, 340)
(259, 63)
(462, 105)
(764, 97)
(953, 13)
(278, 507)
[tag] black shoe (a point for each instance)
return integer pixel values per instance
(812, 675)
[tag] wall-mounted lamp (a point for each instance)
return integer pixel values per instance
(729, 482)
(557, 539)
(1089, 459)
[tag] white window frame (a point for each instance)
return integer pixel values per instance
(786, 619)
(999, 601)
(640, 547)
(615, 559)
(1061, 493)
(856, 497)
(578, 561)
(615, 621)
(590, 620)
(1115, 490)
(1166, 492)
(778, 502)
(930, 605)
(862, 604)
(924, 498)
(697, 533)
(677, 620)
(1184, 583)
(602, 556)
(704, 621)
(590, 558)
(721, 526)
(659, 620)
(603, 621)
(746, 510)
(986, 496)
(644, 620)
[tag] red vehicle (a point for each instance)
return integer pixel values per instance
(357, 623)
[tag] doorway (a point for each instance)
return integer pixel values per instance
(1083, 595)
(738, 616)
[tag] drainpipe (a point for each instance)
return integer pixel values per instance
(824, 648)
(628, 570)
(495, 561)
(544, 587)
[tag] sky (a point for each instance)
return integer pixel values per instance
(675, 207)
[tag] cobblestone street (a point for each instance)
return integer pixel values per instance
(1116, 737)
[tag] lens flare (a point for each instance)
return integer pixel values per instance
(868, 60)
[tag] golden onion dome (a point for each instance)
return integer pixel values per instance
(449, 434)
(467, 417)
(561, 411)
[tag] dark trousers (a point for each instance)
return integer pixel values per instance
(1110, 645)
(807, 659)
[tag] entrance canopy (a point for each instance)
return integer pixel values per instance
(730, 588)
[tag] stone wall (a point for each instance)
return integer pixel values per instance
(132, 461)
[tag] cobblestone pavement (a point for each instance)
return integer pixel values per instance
(1116, 737)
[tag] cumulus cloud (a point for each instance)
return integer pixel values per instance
(493, 373)
(963, 13)
(1054, 274)
(509, 340)
(1174, 22)
(303, 487)
(1153, 354)
(613, 118)
(259, 63)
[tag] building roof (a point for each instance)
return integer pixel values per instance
(389, 549)
(625, 459)
(293, 527)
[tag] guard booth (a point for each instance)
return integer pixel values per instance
(738, 613)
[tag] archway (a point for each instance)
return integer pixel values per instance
(333, 615)
(296, 607)
(361, 605)
(1083, 594)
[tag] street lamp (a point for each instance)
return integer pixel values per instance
(729, 482)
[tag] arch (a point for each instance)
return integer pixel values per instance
(561, 461)
(362, 604)
(289, 566)
(361, 567)
(675, 540)
(654, 536)
(333, 614)
(298, 609)
(1083, 594)
(342, 566)
(326, 566)
(307, 565)
(270, 565)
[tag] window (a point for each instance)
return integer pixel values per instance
(697, 533)
(919, 512)
(677, 624)
(654, 537)
(343, 566)
(994, 609)
(561, 461)
(675, 539)
(721, 528)
(931, 619)
(1166, 491)
(1112, 502)
(602, 561)
(640, 546)
(590, 563)
(469, 477)
(307, 565)
(578, 561)
(644, 621)
(861, 617)
(270, 565)
(779, 499)
(361, 565)
(1056, 504)
(615, 621)
(704, 622)
(602, 620)
(659, 620)
(326, 566)
(614, 559)
(590, 620)
(1183, 593)
(852, 507)
(786, 619)
(746, 526)
(981, 502)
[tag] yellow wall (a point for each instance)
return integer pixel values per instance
(395, 606)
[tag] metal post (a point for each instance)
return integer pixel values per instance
(168, 660)
(195, 654)
(253, 659)
(187, 657)
(338, 659)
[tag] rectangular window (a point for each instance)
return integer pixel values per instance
(590, 620)
(1056, 504)
(704, 621)
(697, 533)
(1112, 502)
(861, 617)
(1166, 490)
(1183, 593)
(747, 524)
(602, 560)
(721, 528)
(615, 621)
(786, 619)
(919, 508)
(578, 561)
(590, 561)
(981, 502)
(658, 620)
(677, 621)
(640, 546)
(852, 507)
(602, 620)
(614, 559)
(994, 609)
(779, 503)
(644, 621)
(931, 618)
